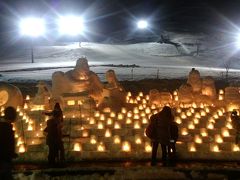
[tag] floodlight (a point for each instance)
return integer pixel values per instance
(32, 26)
(70, 25)
(142, 24)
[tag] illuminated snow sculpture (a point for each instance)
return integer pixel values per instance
(10, 95)
(185, 93)
(156, 97)
(194, 79)
(41, 99)
(80, 79)
(113, 92)
(208, 87)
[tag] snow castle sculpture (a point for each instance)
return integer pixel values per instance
(80, 79)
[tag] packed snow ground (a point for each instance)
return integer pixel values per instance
(130, 61)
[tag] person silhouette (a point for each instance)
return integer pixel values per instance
(7, 143)
(162, 121)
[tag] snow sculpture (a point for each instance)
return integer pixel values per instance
(156, 97)
(80, 79)
(113, 92)
(195, 81)
(10, 95)
(42, 97)
(185, 93)
(232, 94)
(208, 87)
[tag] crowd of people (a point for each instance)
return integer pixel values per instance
(162, 129)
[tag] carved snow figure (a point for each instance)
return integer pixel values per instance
(43, 95)
(10, 95)
(232, 94)
(80, 79)
(156, 97)
(208, 87)
(185, 93)
(195, 81)
(113, 92)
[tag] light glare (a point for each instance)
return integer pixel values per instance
(70, 25)
(32, 27)
(142, 24)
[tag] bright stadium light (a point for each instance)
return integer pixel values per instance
(142, 24)
(70, 25)
(32, 26)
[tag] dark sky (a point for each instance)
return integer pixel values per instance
(105, 17)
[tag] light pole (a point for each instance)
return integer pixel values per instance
(32, 27)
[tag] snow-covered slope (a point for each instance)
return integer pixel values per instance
(172, 57)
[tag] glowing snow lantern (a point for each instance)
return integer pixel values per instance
(85, 133)
(195, 120)
(144, 120)
(20, 141)
(140, 94)
(148, 147)
(109, 121)
(97, 114)
(191, 125)
(30, 127)
(178, 120)
(91, 120)
(77, 147)
(129, 114)
(218, 138)
(235, 148)
(117, 139)
(128, 121)
(214, 148)
(203, 132)
(100, 125)
(25, 106)
(229, 125)
(136, 116)
(194, 105)
(138, 140)
(221, 91)
(93, 140)
(129, 94)
(225, 132)
(124, 110)
(191, 147)
(198, 139)
(147, 110)
(184, 131)
(179, 110)
(70, 102)
(220, 113)
(137, 125)
(126, 147)
(108, 133)
(215, 116)
(147, 97)
(117, 125)
(101, 147)
(203, 113)
(183, 115)
(220, 97)
(210, 125)
(102, 117)
(22, 148)
(135, 110)
(207, 110)
(189, 113)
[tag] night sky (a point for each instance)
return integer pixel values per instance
(105, 17)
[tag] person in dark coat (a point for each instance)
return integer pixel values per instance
(54, 138)
(7, 143)
(236, 125)
(59, 115)
(162, 122)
